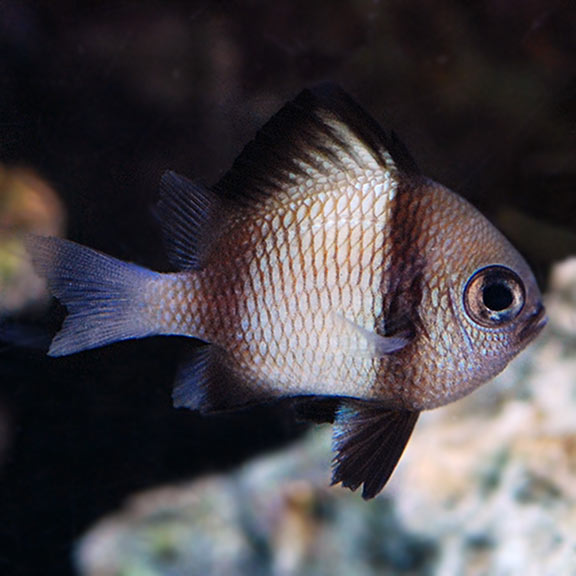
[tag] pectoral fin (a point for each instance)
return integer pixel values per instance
(355, 340)
(368, 442)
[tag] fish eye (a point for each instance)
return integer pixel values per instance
(494, 296)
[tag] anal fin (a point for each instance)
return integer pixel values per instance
(204, 382)
(368, 441)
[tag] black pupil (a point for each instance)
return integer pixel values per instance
(497, 296)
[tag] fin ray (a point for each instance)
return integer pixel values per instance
(102, 294)
(205, 383)
(369, 441)
(187, 212)
(361, 342)
(321, 132)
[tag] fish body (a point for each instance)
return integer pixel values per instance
(324, 267)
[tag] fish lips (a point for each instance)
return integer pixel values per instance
(534, 323)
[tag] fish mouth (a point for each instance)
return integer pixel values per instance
(534, 324)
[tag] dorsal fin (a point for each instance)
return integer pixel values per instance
(188, 214)
(321, 133)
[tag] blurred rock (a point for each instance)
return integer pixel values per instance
(487, 486)
(562, 300)
(275, 516)
(27, 205)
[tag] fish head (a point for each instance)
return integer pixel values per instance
(480, 305)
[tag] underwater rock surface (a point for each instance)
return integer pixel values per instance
(487, 486)
(27, 205)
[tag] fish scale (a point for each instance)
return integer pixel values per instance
(279, 292)
(324, 268)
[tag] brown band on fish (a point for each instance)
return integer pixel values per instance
(401, 284)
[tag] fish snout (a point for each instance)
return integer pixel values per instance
(534, 323)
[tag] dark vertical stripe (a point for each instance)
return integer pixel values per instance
(402, 283)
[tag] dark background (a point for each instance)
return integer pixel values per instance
(100, 98)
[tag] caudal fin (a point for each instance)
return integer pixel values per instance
(105, 297)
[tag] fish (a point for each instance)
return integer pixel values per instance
(322, 268)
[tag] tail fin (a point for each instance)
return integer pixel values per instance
(105, 297)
